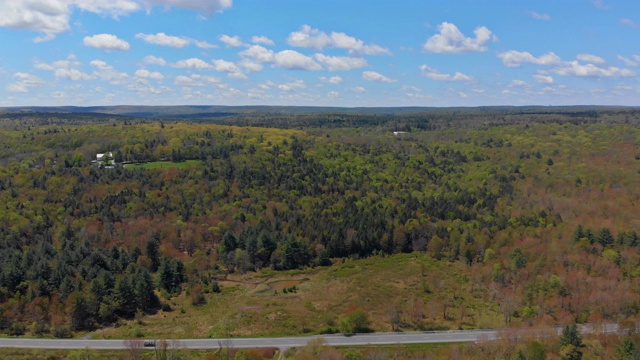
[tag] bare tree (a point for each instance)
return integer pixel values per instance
(417, 309)
(135, 348)
(394, 316)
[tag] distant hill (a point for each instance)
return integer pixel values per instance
(220, 111)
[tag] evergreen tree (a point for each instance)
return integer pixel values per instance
(571, 343)
(605, 238)
(152, 250)
(627, 350)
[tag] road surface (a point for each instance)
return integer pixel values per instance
(289, 342)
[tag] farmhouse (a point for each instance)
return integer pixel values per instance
(103, 157)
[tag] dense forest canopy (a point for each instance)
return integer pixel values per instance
(540, 204)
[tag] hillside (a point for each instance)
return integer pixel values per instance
(528, 219)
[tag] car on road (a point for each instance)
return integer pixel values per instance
(150, 343)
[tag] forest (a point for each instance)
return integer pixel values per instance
(535, 207)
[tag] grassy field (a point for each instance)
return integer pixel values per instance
(140, 354)
(165, 164)
(408, 351)
(408, 286)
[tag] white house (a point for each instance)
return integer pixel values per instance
(101, 157)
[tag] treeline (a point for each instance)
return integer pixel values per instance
(391, 119)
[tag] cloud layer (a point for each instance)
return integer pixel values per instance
(450, 40)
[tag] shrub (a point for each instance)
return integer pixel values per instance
(17, 329)
(197, 297)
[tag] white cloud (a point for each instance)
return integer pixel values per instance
(65, 69)
(450, 40)
(203, 44)
(333, 94)
(251, 65)
(309, 38)
(518, 83)
(153, 60)
(410, 88)
(543, 79)
(230, 68)
(434, 74)
(193, 63)
(267, 85)
(24, 82)
(106, 42)
(335, 63)
(177, 42)
(146, 74)
(206, 7)
(225, 66)
(107, 72)
(59, 95)
(514, 58)
(293, 60)
(101, 65)
(359, 89)
(231, 41)
(114, 8)
(629, 62)
(262, 40)
(186, 81)
(291, 86)
(259, 53)
(574, 68)
(51, 17)
(164, 40)
(315, 39)
(538, 16)
(629, 22)
(565, 68)
(590, 59)
(198, 80)
(374, 76)
(599, 4)
(335, 80)
(71, 74)
(462, 95)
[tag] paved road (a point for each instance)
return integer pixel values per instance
(287, 342)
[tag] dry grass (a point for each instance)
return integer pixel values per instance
(376, 284)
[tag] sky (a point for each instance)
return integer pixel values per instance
(348, 53)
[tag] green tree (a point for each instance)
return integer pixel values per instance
(571, 343)
(627, 350)
(518, 260)
(605, 238)
(152, 250)
(355, 322)
(578, 233)
(143, 288)
(81, 317)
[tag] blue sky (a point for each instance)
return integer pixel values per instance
(321, 53)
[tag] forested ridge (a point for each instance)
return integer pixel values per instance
(539, 208)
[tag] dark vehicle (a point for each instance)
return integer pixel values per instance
(150, 343)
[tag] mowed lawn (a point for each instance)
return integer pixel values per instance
(165, 164)
(412, 285)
